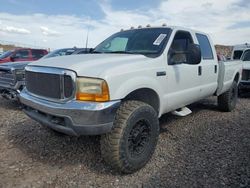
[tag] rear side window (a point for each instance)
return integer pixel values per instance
(22, 54)
(37, 54)
(206, 50)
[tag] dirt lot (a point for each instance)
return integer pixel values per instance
(206, 149)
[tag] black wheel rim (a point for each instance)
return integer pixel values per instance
(139, 138)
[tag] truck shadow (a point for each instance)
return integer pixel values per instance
(55, 149)
(8, 104)
(205, 104)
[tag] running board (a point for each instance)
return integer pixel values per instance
(185, 111)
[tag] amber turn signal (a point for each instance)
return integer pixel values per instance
(92, 89)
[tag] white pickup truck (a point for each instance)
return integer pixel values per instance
(129, 81)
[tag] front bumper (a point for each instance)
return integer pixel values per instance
(244, 84)
(73, 117)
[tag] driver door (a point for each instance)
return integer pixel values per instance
(183, 79)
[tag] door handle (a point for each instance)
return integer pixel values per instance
(200, 70)
(215, 69)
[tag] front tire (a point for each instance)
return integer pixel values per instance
(133, 139)
(227, 101)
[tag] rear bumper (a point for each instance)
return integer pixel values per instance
(73, 117)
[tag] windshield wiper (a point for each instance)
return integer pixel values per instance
(121, 52)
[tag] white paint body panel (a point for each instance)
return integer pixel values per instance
(126, 73)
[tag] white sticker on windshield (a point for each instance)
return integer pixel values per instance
(159, 39)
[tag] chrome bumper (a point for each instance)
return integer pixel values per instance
(73, 117)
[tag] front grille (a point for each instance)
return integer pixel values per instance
(246, 75)
(6, 77)
(48, 85)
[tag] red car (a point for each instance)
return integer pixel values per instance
(22, 54)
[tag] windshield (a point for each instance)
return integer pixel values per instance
(246, 56)
(237, 54)
(138, 41)
(6, 54)
(60, 52)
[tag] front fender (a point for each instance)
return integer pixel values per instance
(121, 89)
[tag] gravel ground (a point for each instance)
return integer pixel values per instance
(205, 149)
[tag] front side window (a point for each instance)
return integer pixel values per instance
(246, 56)
(237, 54)
(206, 49)
(22, 54)
(178, 52)
(137, 41)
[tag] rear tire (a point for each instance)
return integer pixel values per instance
(227, 101)
(133, 139)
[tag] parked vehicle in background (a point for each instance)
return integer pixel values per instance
(129, 81)
(245, 81)
(82, 51)
(67, 51)
(12, 75)
(22, 54)
(238, 51)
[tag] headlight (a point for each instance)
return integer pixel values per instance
(91, 89)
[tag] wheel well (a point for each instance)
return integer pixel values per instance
(146, 95)
(237, 77)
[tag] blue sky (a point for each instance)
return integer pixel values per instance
(64, 23)
(76, 7)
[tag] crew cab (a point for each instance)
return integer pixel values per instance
(12, 75)
(22, 54)
(125, 85)
(245, 81)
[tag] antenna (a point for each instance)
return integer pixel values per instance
(87, 37)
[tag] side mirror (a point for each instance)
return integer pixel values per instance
(194, 54)
(90, 50)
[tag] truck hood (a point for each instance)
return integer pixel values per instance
(93, 65)
(246, 65)
(15, 65)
